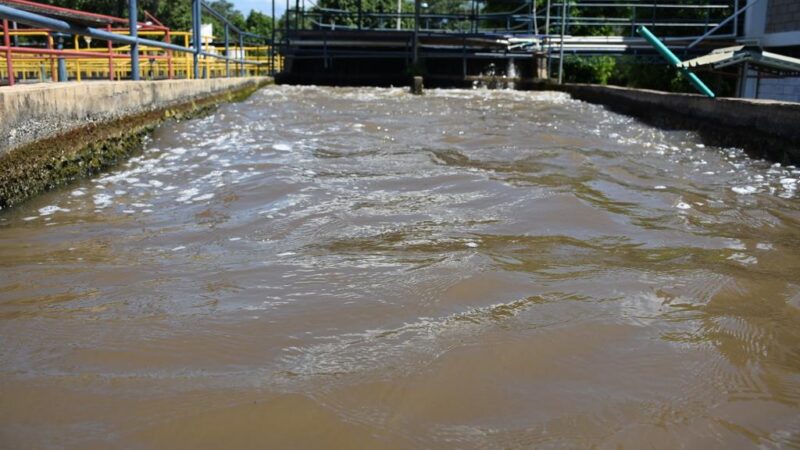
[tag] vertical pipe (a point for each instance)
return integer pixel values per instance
(241, 50)
(287, 22)
(53, 73)
(399, 13)
(272, 44)
(561, 51)
(133, 21)
(9, 63)
(170, 71)
(227, 52)
(296, 14)
(196, 40)
(77, 60)
(110, 56)
(359, 13)
(62, 65)
(547, 19)
(416, 32)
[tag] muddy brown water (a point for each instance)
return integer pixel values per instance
(360, 268)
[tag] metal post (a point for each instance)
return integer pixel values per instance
(7, 42)
(272, 44)
(359, 14)
(110, 56)
(227, 53)
(547, 19)
(561, 50)
(399, 12)
(287, 21)
(241, 51)
(133, 21)
(62, 65)
(416, 32)
(170, 70)
(197, 42)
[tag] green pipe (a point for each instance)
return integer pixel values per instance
(669, 56)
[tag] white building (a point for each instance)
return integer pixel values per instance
(773, 25)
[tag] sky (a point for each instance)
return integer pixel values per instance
(264, 6)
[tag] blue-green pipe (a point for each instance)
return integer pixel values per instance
(669, 56)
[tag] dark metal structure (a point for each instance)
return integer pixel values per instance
(334, 46)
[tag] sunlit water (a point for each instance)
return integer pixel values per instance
(360, 268)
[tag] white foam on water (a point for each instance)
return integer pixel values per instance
(77, 193)
(234, 239)
(187, 194)
(743, 259)
(744, 190)
(102, 200)
(472, 244)
(683, 205)
(51, 209)
(203, 197)
(764, 246)
(180, 247)
(155, 183)
(286, 254)
(282, 147)
(28, 219)
(659, 187)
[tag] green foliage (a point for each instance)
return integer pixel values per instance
(589, 69)
(367, 6)
(175, 14)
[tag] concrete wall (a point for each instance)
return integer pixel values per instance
(772, 23)
(784, 89)
(783, 15)
(764, 128)
(32, 112)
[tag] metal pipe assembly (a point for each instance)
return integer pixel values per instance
(59, 28)
(669, 56)
(134, 27)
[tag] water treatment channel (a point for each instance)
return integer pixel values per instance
(360, 268)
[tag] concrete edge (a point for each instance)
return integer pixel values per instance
(763, 128)
(79, 152)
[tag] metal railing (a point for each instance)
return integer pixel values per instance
(537, 17)
(166, 54)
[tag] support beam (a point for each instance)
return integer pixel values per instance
(197, 41)
(9, 63)
(133, 21)
(561, 50)
(227, 52)
(241, 49)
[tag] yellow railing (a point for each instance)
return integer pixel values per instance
(155, 63)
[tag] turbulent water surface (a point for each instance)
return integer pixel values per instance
(360, 268)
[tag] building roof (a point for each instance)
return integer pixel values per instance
(754, 56)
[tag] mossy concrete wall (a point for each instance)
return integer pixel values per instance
(51, 134)
(764, 128)
(32, 112)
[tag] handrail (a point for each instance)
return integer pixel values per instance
(135, 45)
